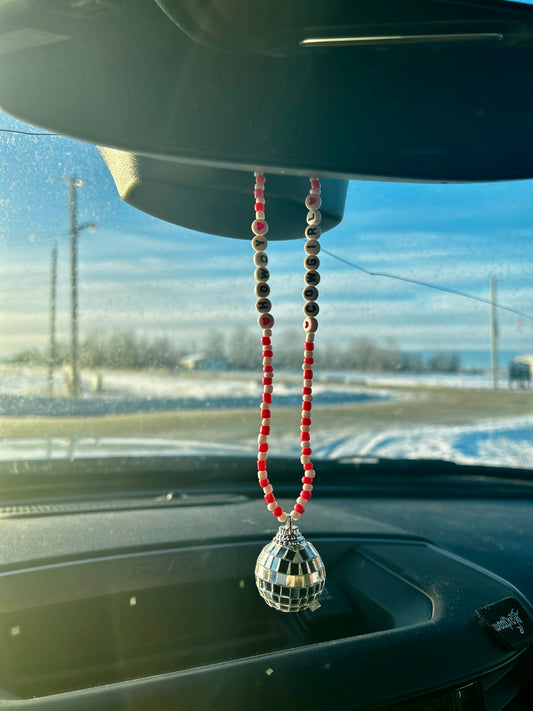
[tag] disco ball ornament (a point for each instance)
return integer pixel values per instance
(289, 573)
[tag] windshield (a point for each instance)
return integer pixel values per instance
(423, 348)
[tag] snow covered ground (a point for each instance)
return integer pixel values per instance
(493, 441)
(497, 442)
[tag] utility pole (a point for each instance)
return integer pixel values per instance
(74, 231)
(493, 333)
(53, 301)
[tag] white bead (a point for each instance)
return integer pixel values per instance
(307, 487)
(259, 186)
(305, 428)
(312, 246)
(259, 215)
(267, 332)
(311, 277)
(260, 228)
(313, 202)
(262, 289)
(266, 422)
(267, 361)
(310, 473)
(260, 259)
(268, 389)
(262, 455)
(315, 191)
(301, 501)
(310, 293)
(265, 320)
(307, 398)
(283, 517)
(311, 308)
(310, 337)
(305, 459)
(261, 274)
(308, 383)
(271, 506)
(314, 217)
(261, 243)
(263, 306)
(310, 325)
(295, 515)
(313, 232)
(268, 489)
(262, 439)
(311, 263)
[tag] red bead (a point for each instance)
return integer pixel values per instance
(265, 482)
(265, 414)
(308, 466)
(306, 405)
(267, 381)
(305, 480)
(309, 346)
(277, 511)
(267, 354)
(306, 451)
(261, 465)
(315, 183)
(260, 178)
(308, 374)
(265, 340)
(265, 430)
(305, 494)
(258, 194)
(269, 498)
(307, 391)
(259, 207)
(306, 421)
(304, 436)
(299, 508)
(268, 369)
(309, 361)
(263, 447)
(267, 397)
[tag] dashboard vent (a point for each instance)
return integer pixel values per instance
(506, 688)
(509, 688)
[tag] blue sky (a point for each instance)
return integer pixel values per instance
(139, 273)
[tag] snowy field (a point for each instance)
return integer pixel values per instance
(24, 392)
(497, 441)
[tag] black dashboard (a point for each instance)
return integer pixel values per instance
(150, 606)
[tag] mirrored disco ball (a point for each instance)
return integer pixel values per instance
(289, 573)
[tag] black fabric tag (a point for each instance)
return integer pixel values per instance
(509, 622)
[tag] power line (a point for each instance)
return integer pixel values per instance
(427, 285)
(27, 133)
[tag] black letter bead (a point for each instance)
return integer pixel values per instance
(312, 278)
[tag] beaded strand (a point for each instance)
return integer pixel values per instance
(266, 322)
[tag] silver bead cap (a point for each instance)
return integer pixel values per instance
(289, 572)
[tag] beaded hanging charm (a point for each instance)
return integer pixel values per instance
(289, 572)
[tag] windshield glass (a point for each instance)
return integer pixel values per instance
(169, 348)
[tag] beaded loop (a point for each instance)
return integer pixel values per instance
(310, 325)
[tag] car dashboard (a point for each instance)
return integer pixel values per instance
(148, 600)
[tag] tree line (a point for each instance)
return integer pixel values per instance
(238, 350)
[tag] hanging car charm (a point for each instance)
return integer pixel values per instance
(289, 572)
